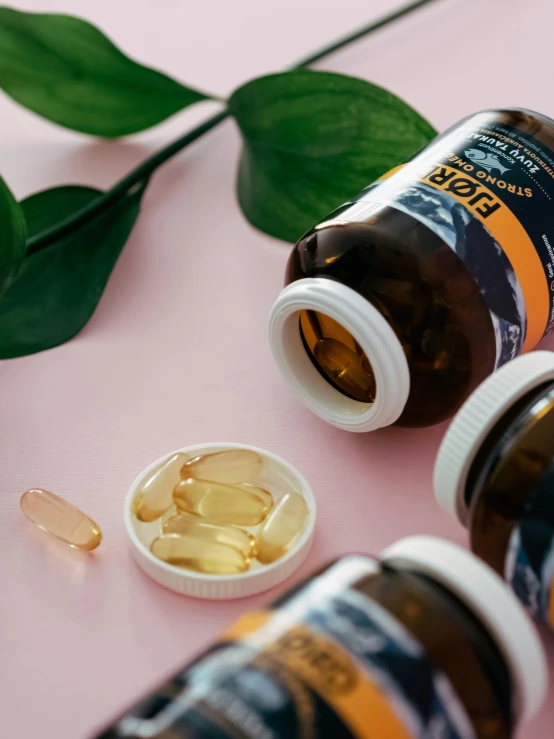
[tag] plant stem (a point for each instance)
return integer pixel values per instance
(145, 169)
(103, 202)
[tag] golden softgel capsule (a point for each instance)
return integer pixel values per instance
(279, 531)
(155, 495)
(262, 493)
(61, 519)
(230, 466)
(346, 369)
(211, 531)
(197, 554)
(225, 504)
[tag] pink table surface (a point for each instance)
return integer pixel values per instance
(177, 353)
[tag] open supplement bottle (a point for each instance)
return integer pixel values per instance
(404, 299)
(495, 472)
(425, 641)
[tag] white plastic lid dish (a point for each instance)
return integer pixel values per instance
(279, 477)
(372, 332)
(492, 601)
(476, 419)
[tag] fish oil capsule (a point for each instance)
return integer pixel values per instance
(339, 356)
(200, 555)
(454, 242)
(155, 495)
(347, 369)
(61, 519)
(281, 528)
(211, 531)
(495, 472)
(262, 493)
(227, 504)
(230, 466)
(412, 644)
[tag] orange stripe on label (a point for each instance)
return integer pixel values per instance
(505, 227)
(329, 671)
(247, 624)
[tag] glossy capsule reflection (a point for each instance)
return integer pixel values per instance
(230, 466)
(262, 493)
(211, 531)
(346, 369)
(200, 555)
(229, 504)
(61, 519)
(155, 494)
(279, 531)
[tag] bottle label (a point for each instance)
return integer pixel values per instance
(328, 664)
(529, 564)
(487, 190)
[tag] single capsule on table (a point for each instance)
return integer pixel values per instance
(211, 531)
(230, 504)
(192, 553)
(230, 466)
(279, 531)
(61, 519)
(155, 495)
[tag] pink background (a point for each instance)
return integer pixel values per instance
(177, 354)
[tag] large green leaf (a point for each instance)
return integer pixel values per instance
(313, 139)
(57, 289)
(66, 70)
(12, 236)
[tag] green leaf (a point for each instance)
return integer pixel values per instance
(12, 236)
(66, 70)
(57, 289)
(314, 139)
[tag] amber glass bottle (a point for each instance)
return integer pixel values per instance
(419, 642)
(403, 300)
(495, 472)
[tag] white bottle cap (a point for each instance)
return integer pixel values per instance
(277, 476)
(493, 603)
(372, 332)
(476, 419)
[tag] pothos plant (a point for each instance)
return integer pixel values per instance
(310, 140)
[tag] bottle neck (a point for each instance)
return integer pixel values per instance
(456, 643)
(485, 649)
(454, 646)
(506, 470)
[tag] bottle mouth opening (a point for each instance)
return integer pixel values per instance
(339, 354)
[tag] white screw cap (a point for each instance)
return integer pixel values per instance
(279, 477)
(372, 332)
